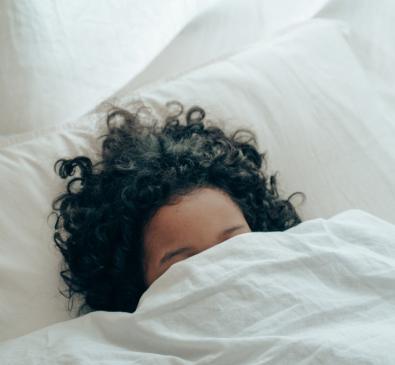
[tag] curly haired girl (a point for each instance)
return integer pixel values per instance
(159, 194)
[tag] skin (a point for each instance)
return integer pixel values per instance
(198, 221)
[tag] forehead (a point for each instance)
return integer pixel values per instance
(204, 208)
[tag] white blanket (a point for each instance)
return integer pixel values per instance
(322, 292)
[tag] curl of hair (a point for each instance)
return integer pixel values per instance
(99, 224)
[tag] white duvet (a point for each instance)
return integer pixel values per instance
(322, 292)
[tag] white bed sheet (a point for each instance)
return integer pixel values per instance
(319, 293)
(356, 80)
(331, 141)
(60, 58)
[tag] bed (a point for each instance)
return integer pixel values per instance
(315, 82)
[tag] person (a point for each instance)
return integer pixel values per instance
(160, 193)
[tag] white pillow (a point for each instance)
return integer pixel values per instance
(304, 94)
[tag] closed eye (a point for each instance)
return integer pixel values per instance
(171, 254)
(181, 250)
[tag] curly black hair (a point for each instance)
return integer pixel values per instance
(99, 224)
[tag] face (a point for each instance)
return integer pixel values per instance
(198, 221)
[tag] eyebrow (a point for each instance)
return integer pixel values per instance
(181, 250)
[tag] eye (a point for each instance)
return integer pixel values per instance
(184, 256)
(174, 259)
(168, 256)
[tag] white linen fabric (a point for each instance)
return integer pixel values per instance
(222, 30)
(231, 25)
(322, 292)
(305, 95)
(59, 58)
